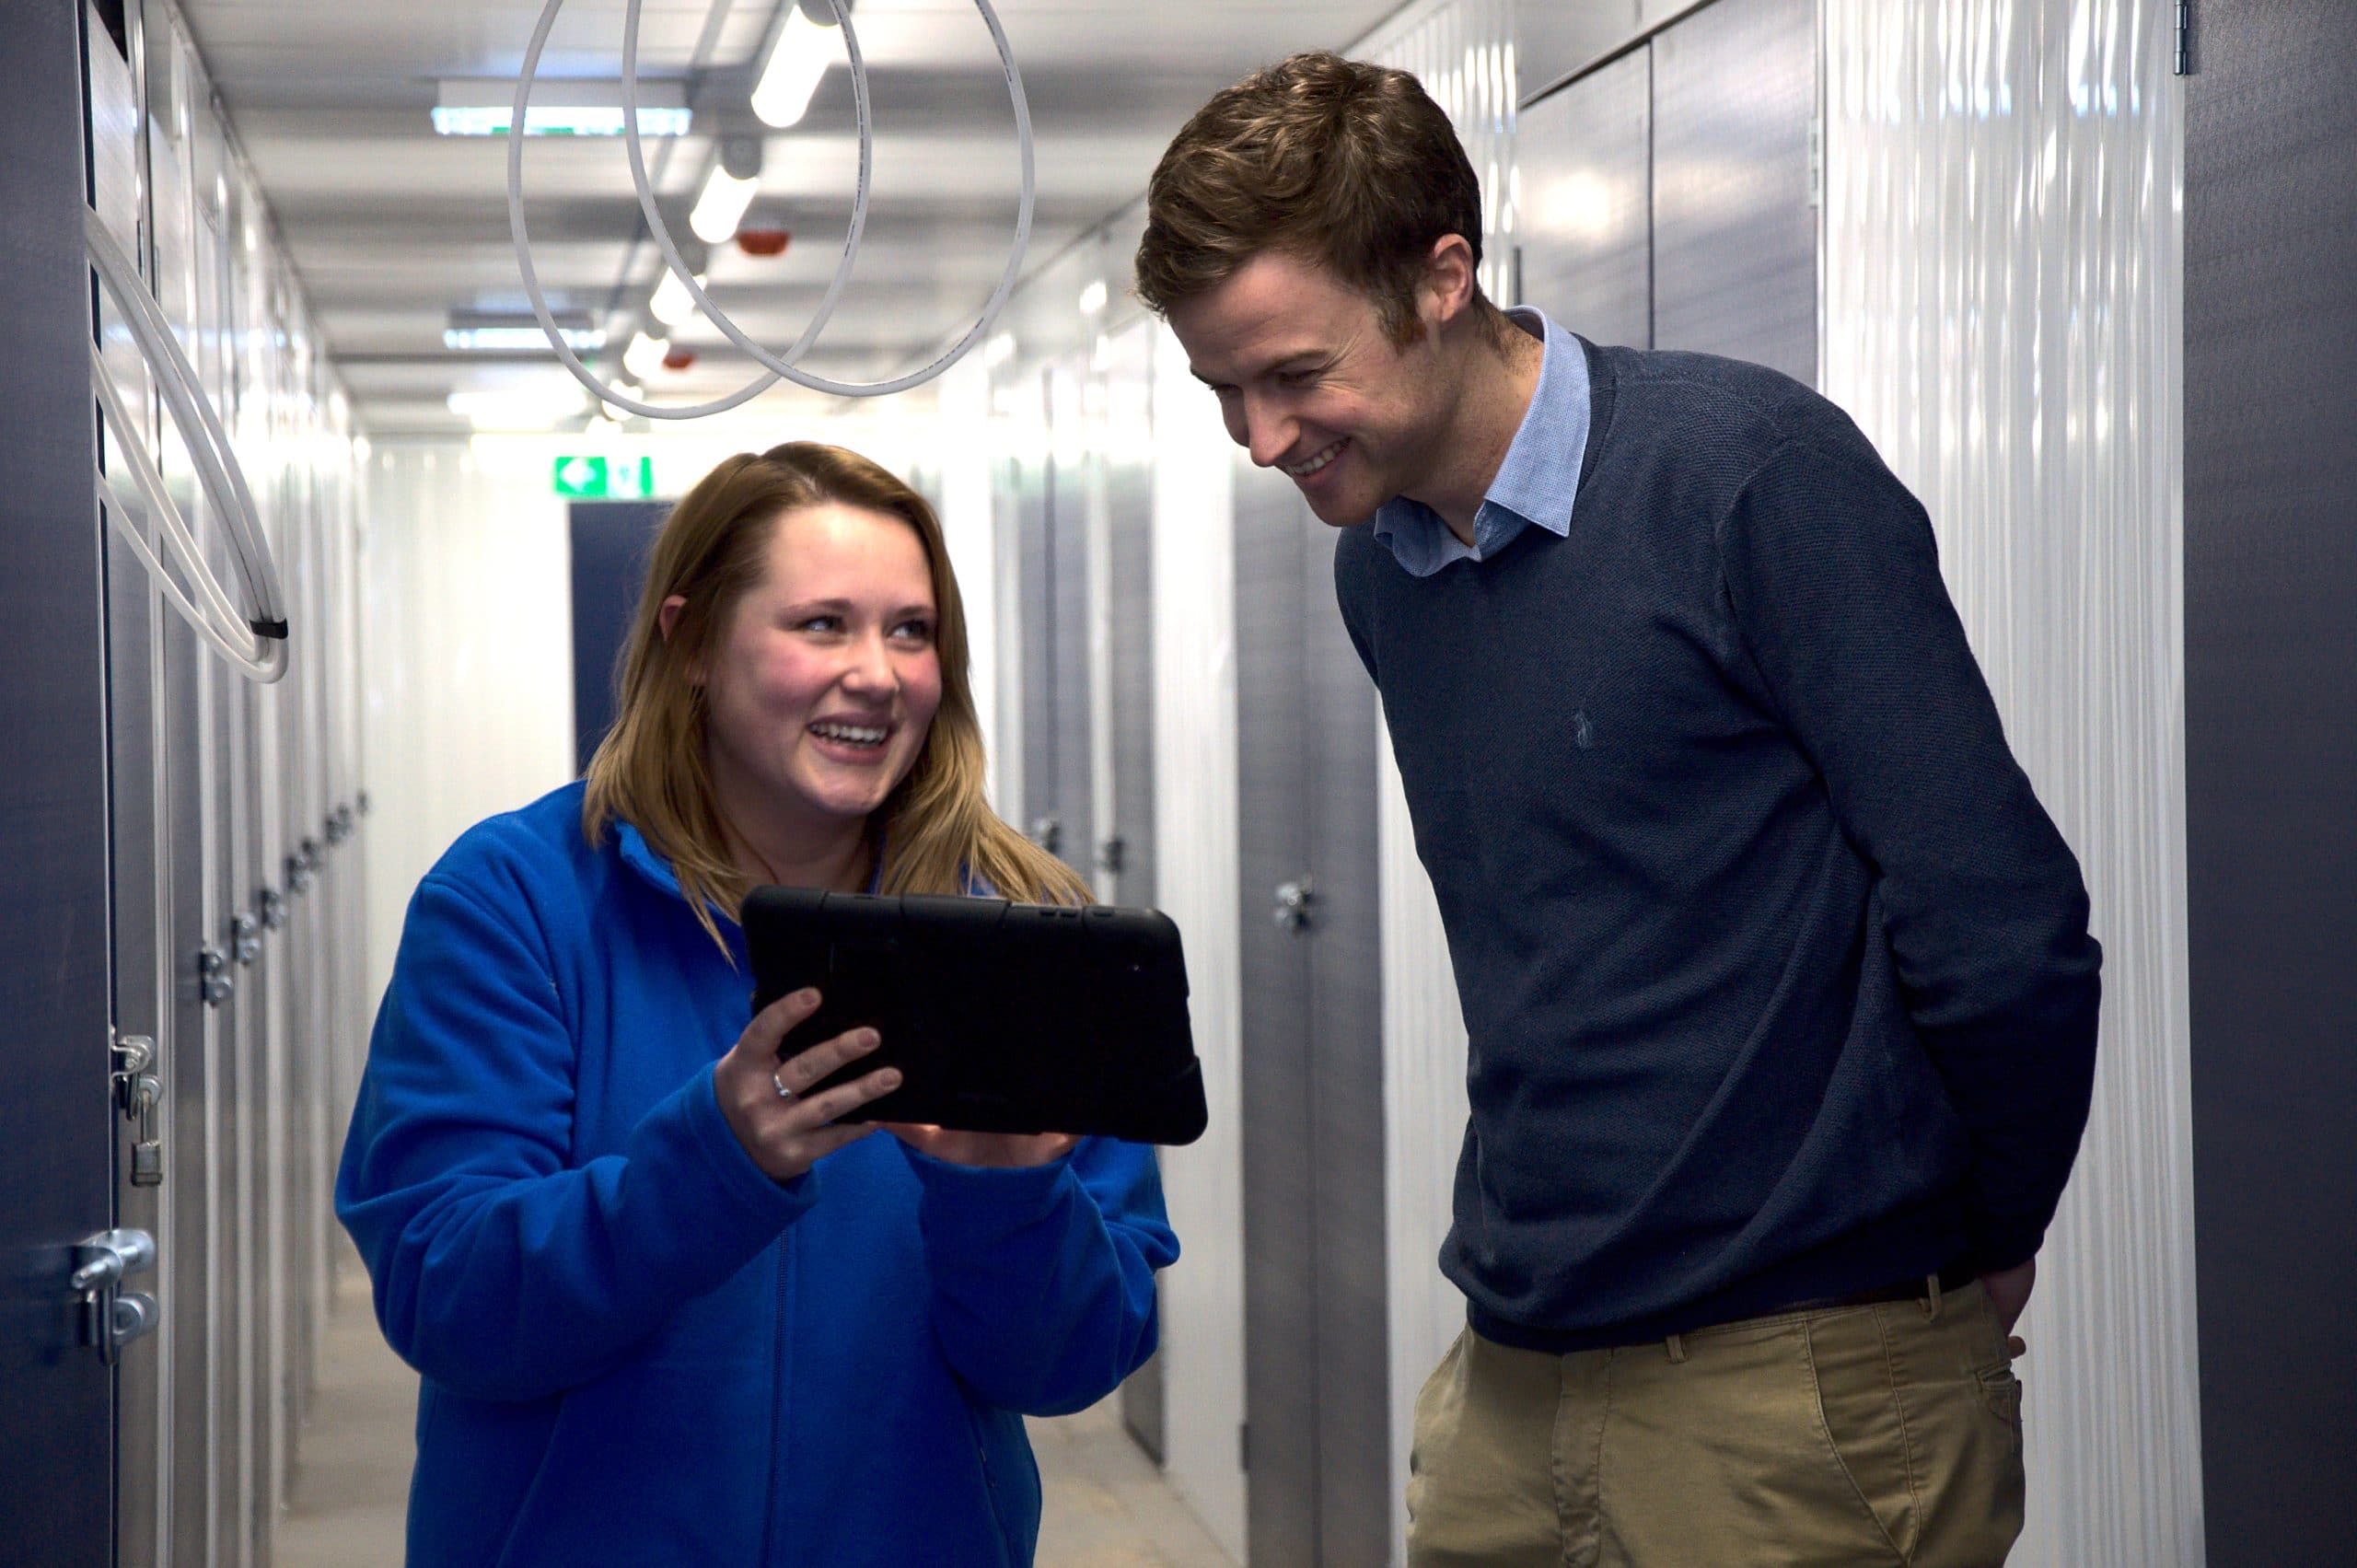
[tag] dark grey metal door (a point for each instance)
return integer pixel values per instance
(1355, 1505)
(1023, 516)
(1585, 156)
(1734, 232)
(612, 541)
(2271, 717)
(56, 1441)
(1317, 1402)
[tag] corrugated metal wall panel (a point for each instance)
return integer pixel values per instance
(2003, 297)
(1195, 832)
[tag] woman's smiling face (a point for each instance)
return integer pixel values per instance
(823, 683)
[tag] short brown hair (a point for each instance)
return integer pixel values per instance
(650, 770)
(1345, 164)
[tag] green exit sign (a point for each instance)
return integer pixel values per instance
(605, 479)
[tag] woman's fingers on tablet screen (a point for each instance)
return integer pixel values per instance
(799, 1072)
(771, 1025)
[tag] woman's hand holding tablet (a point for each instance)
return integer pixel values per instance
(763, 1098)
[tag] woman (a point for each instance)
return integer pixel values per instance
(666, 1310)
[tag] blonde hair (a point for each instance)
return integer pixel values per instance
(652, 770)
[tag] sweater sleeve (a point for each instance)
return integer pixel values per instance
(1043, 1284)
(501, 1270)
(1833, 577)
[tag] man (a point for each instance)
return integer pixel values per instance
(1777, 980)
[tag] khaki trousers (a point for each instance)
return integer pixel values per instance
(1881, 1434)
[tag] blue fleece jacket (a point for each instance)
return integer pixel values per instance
(635, 1347)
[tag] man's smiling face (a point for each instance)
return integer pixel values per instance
(1311, 383)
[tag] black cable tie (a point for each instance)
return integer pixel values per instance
(275, 630)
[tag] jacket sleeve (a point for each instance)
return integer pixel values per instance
(502, 1270)
(1044, 1290)
(1834, 580)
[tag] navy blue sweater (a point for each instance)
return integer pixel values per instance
(1776, 976)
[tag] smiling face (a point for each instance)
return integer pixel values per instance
(1310, 384)
(822, 684)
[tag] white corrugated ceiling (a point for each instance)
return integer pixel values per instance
(393, 228)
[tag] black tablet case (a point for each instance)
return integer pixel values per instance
(1003, 1018)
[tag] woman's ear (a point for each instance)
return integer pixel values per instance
(667, 617)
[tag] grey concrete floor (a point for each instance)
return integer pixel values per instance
(1108, 1506)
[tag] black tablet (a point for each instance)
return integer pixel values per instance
(1003, 1018)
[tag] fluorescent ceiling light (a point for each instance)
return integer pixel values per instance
(485, 107)
(1092, 298)
(518, 332)
(643, 357)
(557, 120)
(672, 304)
(800, 56)
(518, 408)
(721, 205)
(581, 340)
(998, 351)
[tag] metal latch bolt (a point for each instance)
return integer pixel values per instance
(112, 1317)
(213, 978)
(1292, 905)
(245, 938)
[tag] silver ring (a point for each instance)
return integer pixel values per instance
(779, 1085)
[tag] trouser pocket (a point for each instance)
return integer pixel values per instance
(1927, 1418)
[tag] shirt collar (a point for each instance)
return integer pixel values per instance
(1535, 485)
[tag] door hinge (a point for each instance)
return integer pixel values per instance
(1817, 161)
(2185, 38)
(1244, 1446)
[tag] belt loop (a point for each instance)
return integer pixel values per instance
(1677, 1343)
(1931, 1297)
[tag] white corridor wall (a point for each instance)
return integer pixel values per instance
(1195, 851)
(468, 693)
(2002, 298)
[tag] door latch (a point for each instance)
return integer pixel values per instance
(1293, 904)
(213, 978)
(136, 1091)
(112, 1317)
(245, 938)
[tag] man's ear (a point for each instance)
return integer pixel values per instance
(1451, 280)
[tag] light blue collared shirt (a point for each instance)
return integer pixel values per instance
(1536, 482)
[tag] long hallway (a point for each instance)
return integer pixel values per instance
(1107, 1505)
